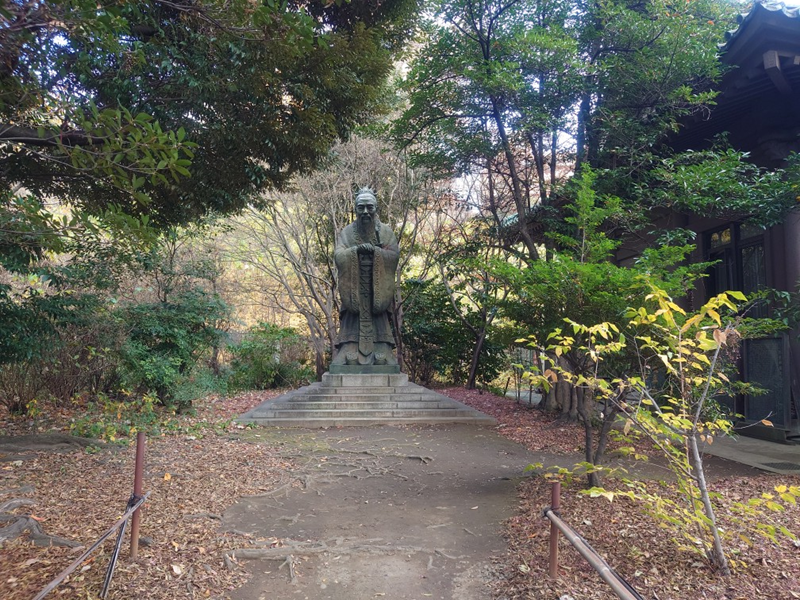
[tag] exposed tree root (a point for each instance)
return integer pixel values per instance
(338, 546)
(19, 524)
(422, 459)
(441, 552)
(45, 442)
(305, 479)
(204, 515)
(9, 505)
(290, 563)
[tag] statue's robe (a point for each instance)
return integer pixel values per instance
(366, 287)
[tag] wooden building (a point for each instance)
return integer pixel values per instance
(759, 110)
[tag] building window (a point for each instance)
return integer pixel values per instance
(739, 250)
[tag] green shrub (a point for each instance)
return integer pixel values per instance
(268, 357)
(111, 420)
(165, 341)
(436, 344)
(53, 347)
(200, 382)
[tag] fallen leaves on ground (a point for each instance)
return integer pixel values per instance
(192, 478)
(530, 426)
(642, 552)
(622, 532)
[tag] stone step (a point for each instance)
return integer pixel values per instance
(357, 399)
(319, 397)
(308, 404)
(365, 413)
(481, 419)
(312, 389)
(377, 380)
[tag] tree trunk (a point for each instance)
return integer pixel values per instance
(551, 401)
(602, 437)
(564, 398)
(213, 362)
(584, 410)
(718, 554)
(536, 144)
(573, 405)
(318, 343)
(319, 364)
(397, 323)
(516, 182)
(476, 355)
(581, 139)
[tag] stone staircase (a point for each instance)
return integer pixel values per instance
(365, 399)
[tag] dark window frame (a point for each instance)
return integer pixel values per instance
(731, 254)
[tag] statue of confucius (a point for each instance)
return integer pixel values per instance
(366, 256)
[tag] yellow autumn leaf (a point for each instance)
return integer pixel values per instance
(167, 476)
(689, 323)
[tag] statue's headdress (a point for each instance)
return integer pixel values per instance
(365, 192)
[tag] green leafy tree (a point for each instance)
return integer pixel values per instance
(438, 347)
(527, 89)
(171, 312)
(119, 119)
(721, 183)
(474, 292)
(579, 281)
(118, 103)
(670, 396)
(490, 90)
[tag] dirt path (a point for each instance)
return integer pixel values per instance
(402, 513)
(386, 512)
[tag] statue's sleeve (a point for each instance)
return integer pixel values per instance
(387, 255)
(346, 259)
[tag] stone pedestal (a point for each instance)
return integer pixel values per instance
(364, 369)
(350, 399)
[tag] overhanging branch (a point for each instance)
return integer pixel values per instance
(31, 137)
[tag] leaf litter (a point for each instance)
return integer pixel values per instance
(625, 535)
(193, 477)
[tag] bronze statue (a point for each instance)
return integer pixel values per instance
(366, 256)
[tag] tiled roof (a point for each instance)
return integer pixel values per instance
(754, 97)
(793, 12)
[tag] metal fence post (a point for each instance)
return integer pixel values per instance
(555, 503)
(137, 492)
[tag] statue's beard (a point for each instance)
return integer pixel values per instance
(367, 225)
